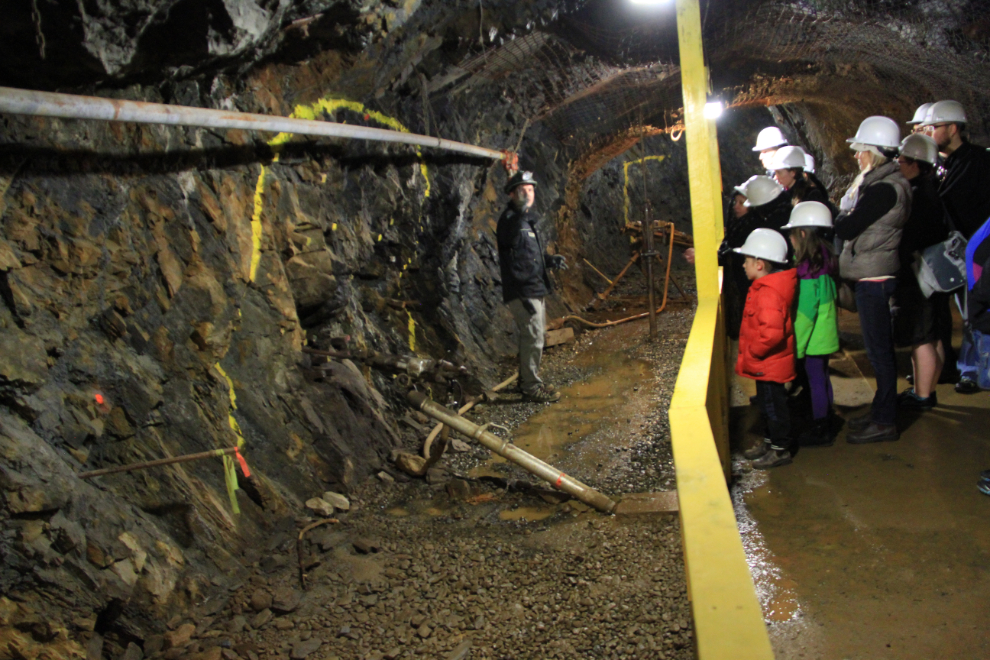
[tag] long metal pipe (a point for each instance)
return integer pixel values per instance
(71, 106)
(509, 451)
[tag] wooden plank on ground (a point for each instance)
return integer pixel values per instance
(562, 336)
(636, 503)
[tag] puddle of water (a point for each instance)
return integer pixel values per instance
(777, 593)
(579, 433)
(527, 513)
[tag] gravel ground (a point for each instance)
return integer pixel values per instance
(494, 566)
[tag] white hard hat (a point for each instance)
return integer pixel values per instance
(809, 214)
(765, 244)
(920, 147)
(920, 114)
(770, 138)
(880, 132)
(809, 163)
(946, 112)
(760, 190)
(787, 157)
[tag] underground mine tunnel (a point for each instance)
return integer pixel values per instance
(221, 342)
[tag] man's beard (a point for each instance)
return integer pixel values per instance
(519, 204)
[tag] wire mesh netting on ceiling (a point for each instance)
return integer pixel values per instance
(591, 75)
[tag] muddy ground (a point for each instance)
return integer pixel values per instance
(479, 561)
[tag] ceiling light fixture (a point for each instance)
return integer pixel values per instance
(713, 110)
(649, 2)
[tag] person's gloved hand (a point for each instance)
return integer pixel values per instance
(528, 305)
(557, 261)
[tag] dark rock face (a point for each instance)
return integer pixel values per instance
(158, 284)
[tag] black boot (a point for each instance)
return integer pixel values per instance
(819, 434)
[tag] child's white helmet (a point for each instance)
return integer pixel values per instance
(765, 244)
(809, 214)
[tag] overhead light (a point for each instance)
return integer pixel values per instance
(713, 110)
(650, 2)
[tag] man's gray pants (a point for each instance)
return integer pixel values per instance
(531, 327)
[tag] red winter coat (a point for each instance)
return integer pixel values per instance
(766, 339)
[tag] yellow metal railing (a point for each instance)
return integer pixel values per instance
(728, 621)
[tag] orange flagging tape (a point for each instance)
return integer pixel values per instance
(559, 479)
(244, 465)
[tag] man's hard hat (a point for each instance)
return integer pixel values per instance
(765, 244)
(809, 214)
(880, 132)
(946, 112)
(920, 114)
(520, 179)
(760, 190)
(920, 147)
(809, 163)
(770, 138)
(788, 157)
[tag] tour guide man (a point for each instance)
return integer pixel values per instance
(525, 281)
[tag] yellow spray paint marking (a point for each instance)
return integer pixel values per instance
(333, 227)
(259, 190)
(625, 181)
(312, 111)
(330, 106)
(229, 470)
(412, 333)
(234, 426)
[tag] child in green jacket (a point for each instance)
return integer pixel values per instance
(816, 322)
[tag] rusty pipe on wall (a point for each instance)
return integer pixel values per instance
(509, 451)
(71, 106)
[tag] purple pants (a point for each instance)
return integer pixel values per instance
(819, 385)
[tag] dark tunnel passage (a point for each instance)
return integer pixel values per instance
(165, 288)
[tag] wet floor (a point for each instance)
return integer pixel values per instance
(598, 417)
(875, 551)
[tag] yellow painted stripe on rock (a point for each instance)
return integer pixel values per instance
(234, 426)
(330, 106)
(412, 332)
(312, 112)
(256, 230)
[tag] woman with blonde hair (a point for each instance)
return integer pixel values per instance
(873, 213)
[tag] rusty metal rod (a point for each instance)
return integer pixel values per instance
(299, 547)
(615, 283)
(509, 451)
(604, 276)
(71, 106)
(213, 453)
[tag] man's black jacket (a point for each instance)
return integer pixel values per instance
(965, 192)
(521, 256)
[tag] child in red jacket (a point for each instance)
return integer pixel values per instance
(766, 341)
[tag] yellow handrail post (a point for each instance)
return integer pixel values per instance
(727, 616)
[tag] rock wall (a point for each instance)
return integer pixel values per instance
(158, 286)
